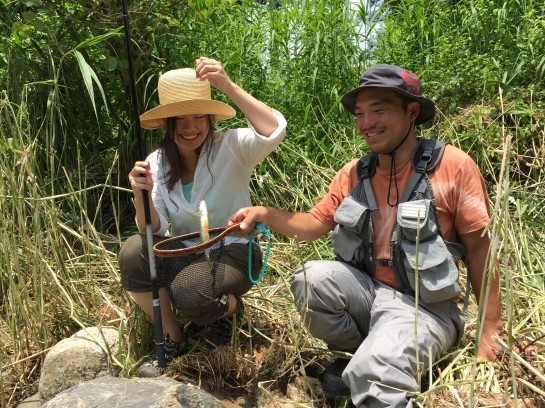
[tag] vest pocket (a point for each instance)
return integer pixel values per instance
(351, 214)
(413, 216)
(438, 274)
(346, 244)
(347, 240)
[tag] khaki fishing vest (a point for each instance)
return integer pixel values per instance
(417, 247)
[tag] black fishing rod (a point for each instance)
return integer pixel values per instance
(158, 323)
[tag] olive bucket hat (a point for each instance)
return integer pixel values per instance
(397, 79)
(182, 93)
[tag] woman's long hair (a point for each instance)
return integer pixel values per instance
(168, 148)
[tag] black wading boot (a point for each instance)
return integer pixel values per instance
(335, 390)
(173, 349)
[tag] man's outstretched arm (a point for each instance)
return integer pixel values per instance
(301, 225)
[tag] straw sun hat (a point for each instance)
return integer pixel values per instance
(181, 93)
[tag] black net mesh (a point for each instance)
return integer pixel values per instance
(191, 277)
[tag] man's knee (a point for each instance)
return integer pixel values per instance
(307, 279)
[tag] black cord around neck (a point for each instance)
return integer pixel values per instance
(393, 169)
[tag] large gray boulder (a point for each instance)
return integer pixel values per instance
(113, 392)
(81, 357)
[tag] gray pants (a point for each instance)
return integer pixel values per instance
(351, 311)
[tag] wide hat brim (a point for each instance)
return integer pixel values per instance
(156, 118)
(427, 107)
(396, 79)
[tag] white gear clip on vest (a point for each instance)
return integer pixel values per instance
(416, 211)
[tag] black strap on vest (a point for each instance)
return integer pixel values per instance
(426, 157)
(366, 168)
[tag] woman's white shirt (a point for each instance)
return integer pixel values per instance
(222, 179)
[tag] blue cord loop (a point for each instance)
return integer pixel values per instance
(267, 234)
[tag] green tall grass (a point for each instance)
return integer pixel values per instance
(59, 273)
(66, 151)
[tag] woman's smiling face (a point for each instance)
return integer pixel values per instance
(191, 131)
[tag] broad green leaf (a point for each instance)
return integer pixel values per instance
(87, 79)
(89, 76)
(39, 25)
(99, 38)
(29, 16)
(110, 63)
(21, 30)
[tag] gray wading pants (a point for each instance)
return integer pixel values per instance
(351, 311)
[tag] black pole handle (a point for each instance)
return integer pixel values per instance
(158, 323)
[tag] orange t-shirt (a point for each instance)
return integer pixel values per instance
(458, 186)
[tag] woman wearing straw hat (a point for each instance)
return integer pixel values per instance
(195, 163)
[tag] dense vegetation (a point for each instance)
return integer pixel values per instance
(67, 142)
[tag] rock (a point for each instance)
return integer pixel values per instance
(305, 389)
(31, 402)
(79, 358)
(112, 392)
(77, 373)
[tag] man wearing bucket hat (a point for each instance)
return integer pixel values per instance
(402, 217)
(195, 163)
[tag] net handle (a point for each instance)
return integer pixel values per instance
(169, 253)
(267, 234)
